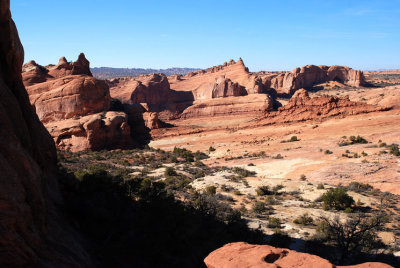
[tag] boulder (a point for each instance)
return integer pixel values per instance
(243, 255)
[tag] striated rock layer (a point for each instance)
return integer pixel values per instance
(33, 233)
(243, 255)
(74, 106)
(302, 107)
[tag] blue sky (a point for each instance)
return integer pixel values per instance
(268, 35)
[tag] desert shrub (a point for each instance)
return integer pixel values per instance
(243, 172)
(200, 155)
(337, 198)
(304, 220)
(170, 171)
(394, 150)
(328, 152)
(278, 156)
(259, 207)
(263, 190)
(237, 192)
(358, 187)
(211, 149)
(303, 177)
(276, 188)
(320, 186)
(274, 223)
(211, 190)
(357, 139)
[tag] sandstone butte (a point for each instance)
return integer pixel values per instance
(243, 255)
(75, 108)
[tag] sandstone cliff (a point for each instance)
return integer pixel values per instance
(73, 106)
(33, 232)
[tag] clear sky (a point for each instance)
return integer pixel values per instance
(268, 35)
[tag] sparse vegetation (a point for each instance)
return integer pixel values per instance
(337, 198)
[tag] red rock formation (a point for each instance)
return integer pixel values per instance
(33, 73)
(310, 75)
(69, 97)
(108, 130)
(32, 231)
(73, 106)
(243, 255)
(151, 120)
(251, 105)
(302, 107)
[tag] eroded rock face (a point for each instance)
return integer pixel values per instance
(310, 75)
(243, 255)
(73, 106)
(107, 130)
(32, 231)
(251, 105)
(33, 73)
(302, 107)
(69, 97)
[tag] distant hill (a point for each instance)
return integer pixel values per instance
(108, 72)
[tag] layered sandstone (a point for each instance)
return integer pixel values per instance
(302, 107)
(108, 130)
(310, 75)
(33, 233)
(73, 106)
(69, 97)
(243, 255)
(250, 105)
(203, 82)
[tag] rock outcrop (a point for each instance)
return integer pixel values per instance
(310, 75)
(250, 105)
(153, 91)
(70, 97)
(302, 107)
(33, 233)
(33, 73)
(243, 255)
(107, 130)
(73, 106)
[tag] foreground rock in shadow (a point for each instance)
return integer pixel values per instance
(243, 255)
(33, 232)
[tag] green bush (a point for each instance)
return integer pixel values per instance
(211, 190)
(263, 190)
(304, 220)
(274, 223)
(170, 171)
(337, 198)
(259, 207)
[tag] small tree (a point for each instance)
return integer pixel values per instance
(359, 233)
(337, 198)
